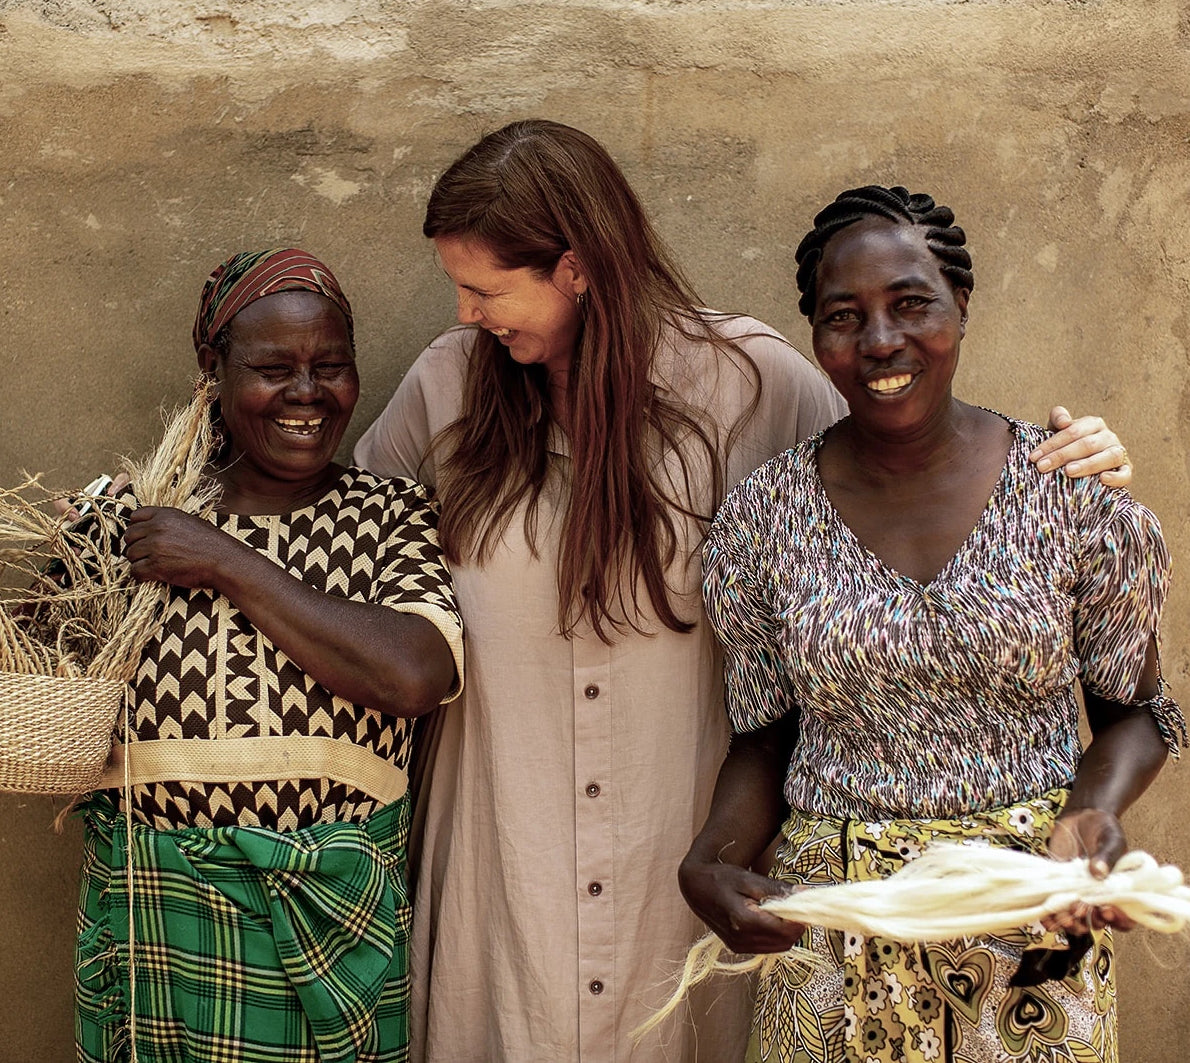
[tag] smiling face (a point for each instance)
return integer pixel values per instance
(887, 324)
(536, 317)
(287, 388)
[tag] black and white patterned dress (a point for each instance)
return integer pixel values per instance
(209, 674)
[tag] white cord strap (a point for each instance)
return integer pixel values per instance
(128, 739)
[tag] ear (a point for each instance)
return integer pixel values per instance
(961, 296)
(208, 360)
(569, 276)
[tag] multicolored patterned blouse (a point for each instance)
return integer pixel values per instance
(939, 699)
(210, 675)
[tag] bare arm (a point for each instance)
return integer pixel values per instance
(397, 663)
(747, 810)
(1125, 754)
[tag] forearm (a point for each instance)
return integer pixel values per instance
(1126, 750)
(746, 814)
(1123, 759)
(397, 663)
(748, 806)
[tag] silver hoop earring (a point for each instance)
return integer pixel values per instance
(580, 301)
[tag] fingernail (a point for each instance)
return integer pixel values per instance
(1045, 464)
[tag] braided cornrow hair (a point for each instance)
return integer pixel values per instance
(896, 204)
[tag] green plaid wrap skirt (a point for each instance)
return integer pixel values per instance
(251, 945)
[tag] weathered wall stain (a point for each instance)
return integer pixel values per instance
(141, 141)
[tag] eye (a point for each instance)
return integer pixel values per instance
(910, 303)
(331, 370)
(273, 372)
(843, 316)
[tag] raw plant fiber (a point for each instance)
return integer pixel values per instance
(73, 622)
(950, 892)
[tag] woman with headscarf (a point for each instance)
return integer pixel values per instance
(580, 427)
(255, 908)
(907, 606)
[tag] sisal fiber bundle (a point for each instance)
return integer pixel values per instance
(70, 641)
(952, 891)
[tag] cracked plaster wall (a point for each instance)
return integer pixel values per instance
(142, 142)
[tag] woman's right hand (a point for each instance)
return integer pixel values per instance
(178, 548)
(727, 898)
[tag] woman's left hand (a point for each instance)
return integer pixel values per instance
(174, 547)
(1098, 836)
(1083, 447)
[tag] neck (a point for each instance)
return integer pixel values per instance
(941, 440)
(252, 494)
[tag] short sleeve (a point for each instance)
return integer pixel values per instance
(1119, 593)
(413, 576)
(757, 685)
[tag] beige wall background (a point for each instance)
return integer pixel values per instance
(144, 141)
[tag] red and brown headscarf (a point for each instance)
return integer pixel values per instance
(252, 275)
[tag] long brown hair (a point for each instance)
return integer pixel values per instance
(529, 193)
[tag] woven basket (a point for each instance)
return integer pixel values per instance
(56, 733)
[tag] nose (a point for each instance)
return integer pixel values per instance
(303, 386)
(880, 336)
(468, 312)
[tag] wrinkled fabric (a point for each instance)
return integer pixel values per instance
(252, 275)
(884, 1001)
(939, 698)
(250, 945)
(564, 787)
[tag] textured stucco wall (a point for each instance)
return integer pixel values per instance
(141, 142)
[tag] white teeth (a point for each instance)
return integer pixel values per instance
(299, 427)
(890, 383)
(500, 332)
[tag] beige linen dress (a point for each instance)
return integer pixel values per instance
(564, 787)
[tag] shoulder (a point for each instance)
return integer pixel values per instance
(734, 350)
(743, 328)
(1030, 434)
(357, 483)
(428, 398)
(441, 367)
(448, 351)
(771, 484)
(781, 469)
(362, 482)
(773, 354)
(1089, 505)
(769, 350)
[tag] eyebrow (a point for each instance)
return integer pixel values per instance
(899, 285)
(269, 352)
(460, 284)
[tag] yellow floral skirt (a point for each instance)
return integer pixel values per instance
(882, 1001)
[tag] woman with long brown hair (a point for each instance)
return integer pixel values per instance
(581, 426)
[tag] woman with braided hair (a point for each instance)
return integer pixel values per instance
(580, 428)
(905, 605)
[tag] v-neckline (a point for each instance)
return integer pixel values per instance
(846, 532)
